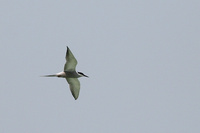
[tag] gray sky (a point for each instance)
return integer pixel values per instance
(142, 57)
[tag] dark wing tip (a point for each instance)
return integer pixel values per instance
(68, 50)
(75, 97)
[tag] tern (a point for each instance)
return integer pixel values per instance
(70, 74)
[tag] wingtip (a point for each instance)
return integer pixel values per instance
(75, 98)
(68, 48)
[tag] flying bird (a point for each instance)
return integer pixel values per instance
(70, 74)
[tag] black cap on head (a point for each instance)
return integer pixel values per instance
(82, 74)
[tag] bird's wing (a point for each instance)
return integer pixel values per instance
(74, 86)
(71, 61)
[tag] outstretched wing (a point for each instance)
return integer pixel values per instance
(71, 61)
(74, 86)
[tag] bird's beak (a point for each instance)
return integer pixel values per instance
(86, 76)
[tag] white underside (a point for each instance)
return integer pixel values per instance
(61, 74)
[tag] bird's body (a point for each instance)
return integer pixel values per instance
(70, 74)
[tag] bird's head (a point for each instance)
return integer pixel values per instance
(82, 75)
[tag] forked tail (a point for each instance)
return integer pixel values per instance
(49, 75)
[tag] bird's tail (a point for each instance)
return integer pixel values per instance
(54, 75)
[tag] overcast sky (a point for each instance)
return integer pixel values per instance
(142, 57)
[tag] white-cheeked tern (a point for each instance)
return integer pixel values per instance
(70, 74)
